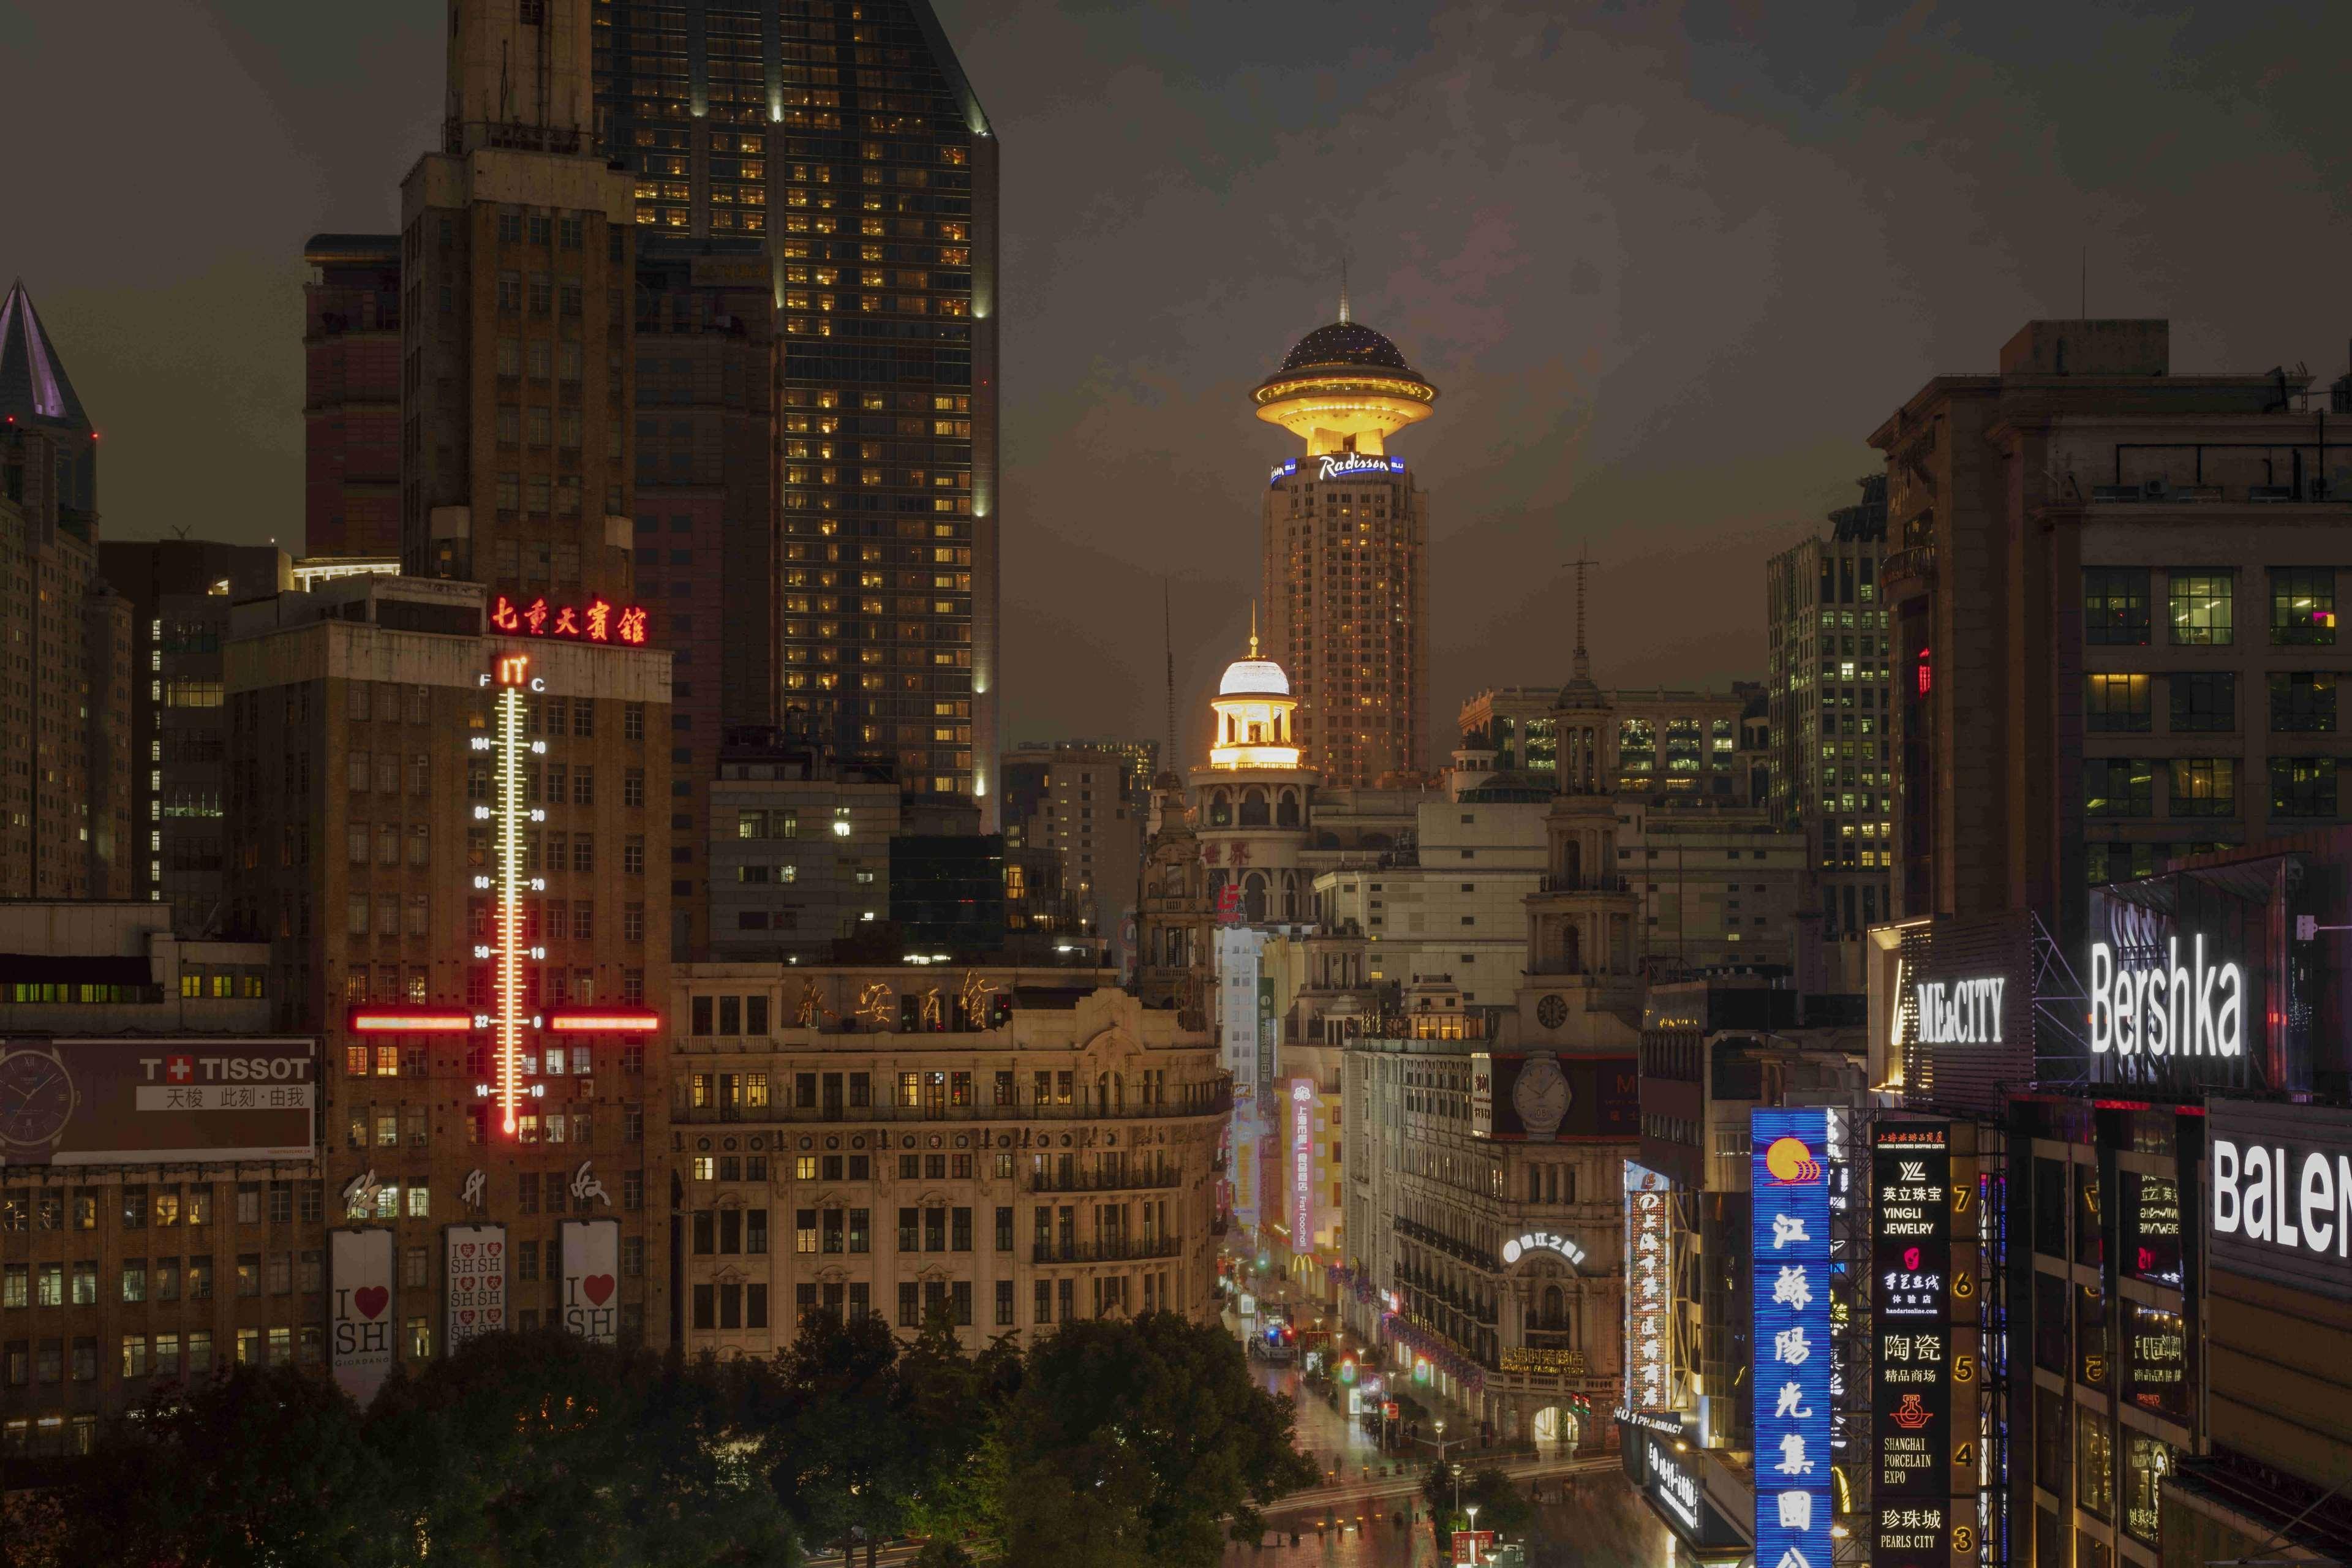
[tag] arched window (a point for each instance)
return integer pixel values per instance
(1253, 807)
(1221, 810)
(1286, 811)
(1253, 895)
(1555, 1309)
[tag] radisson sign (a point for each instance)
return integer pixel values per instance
(1340, 465)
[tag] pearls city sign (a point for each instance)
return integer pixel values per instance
(2168, 1008)
(1959, 1012)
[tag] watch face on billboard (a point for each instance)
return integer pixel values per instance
(1539, 1097)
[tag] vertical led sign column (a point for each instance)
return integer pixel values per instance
(1646, 1293)
(1790, 1239)
(1912, 1430)
(506, 882)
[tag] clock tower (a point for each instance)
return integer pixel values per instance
(1582, 988)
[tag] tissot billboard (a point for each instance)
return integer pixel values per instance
(124, 1101)
(1540, 1097)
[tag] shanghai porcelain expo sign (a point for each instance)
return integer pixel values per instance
(2170, 1007)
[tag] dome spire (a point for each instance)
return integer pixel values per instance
(1343, 292)
(1253, 627)
(1584, 664)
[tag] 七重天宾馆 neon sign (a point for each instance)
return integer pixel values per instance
(599, 620)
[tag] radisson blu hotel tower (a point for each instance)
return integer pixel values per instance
(1347, 553)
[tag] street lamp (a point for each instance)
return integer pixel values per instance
(1474, 1534)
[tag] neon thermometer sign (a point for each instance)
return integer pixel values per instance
(506, 883)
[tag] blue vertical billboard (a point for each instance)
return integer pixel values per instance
(1788, 1180)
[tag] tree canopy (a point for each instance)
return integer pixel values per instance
(1121, 1443)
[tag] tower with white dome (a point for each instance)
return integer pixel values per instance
(1346, 540)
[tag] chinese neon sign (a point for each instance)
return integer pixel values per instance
(599, 620)
(506, 882)
(1790, 1242)
(1302, 1155)
(1646, 1293)
(1912, 1361)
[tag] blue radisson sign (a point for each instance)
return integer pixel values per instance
(1338, 465)
(1790, 1174)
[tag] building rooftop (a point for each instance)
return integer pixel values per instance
(34, 387)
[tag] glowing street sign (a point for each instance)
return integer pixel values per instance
(1789, 1242)
(1647, 1298)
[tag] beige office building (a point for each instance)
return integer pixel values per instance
(1017, 1148)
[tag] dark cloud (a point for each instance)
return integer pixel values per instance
(1669, 264)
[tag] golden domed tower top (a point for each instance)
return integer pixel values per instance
(1344, 388)
(1254, 710)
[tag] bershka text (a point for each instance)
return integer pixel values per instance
(2168, 1009)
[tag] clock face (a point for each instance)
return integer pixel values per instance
(37, 1098)
(1552, 1011)
(1540, 1096)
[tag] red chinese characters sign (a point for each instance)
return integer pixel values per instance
(597, 621)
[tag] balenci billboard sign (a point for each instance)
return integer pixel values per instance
(2279, 1199)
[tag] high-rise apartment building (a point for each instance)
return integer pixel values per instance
(517, 247)
(1346, 539)
(350, 398)
(705, 521)
(180, 593)
(848, 138)
(65, 829)
(1073, 811)
(1671, 744)
(2113, 595)
(450, 840)
(1832, 698)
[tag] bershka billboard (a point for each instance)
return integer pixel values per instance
(2279, 1205)
(144, 1100)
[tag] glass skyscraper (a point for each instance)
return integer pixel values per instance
(845, 140)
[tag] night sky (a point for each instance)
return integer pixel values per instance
(1667, 264)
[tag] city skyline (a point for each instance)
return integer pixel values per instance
(1575, 414)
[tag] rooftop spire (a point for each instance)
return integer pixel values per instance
(1343, 293)
(1168, 634)
(1583, 665)
(1253, 628)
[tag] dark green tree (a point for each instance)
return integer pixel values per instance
(1130, 1440)
(1502, 1506)
(261, 1466)
(842, 1461)
(540, 1449)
